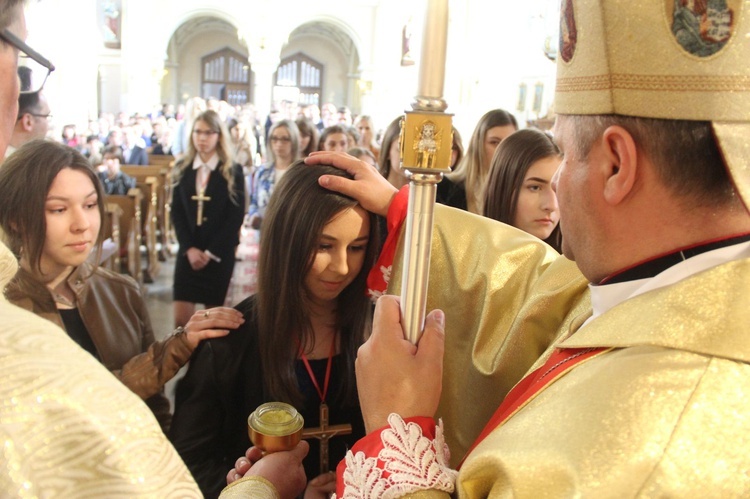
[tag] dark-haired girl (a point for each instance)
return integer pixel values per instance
(300, 338)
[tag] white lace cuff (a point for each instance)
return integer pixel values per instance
(410, 462)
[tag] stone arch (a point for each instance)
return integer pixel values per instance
(331, 41)
(216, 29)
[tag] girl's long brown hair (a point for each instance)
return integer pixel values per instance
(392, 133)
(473, 169)
(298, 211)
(308, 129)
(512, 159)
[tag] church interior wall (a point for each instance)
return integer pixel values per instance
(189, 71)
(391, 86)
(336, 66)
(110, 88)
(493, 48)
(72, 89)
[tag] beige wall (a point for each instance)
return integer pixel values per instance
(188, 72)
(335, 66)
(493, 47)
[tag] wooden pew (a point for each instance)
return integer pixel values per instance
(130, 232)
(112, 230)
(163, 200)
(149, 187)
(164, 160)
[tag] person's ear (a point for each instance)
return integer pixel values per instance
(27, 122)
(621, 153)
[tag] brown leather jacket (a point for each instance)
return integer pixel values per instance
(116, 318)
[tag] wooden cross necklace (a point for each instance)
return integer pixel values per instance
(201, 196)
(324, 432)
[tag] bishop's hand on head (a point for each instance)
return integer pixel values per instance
(369, 187)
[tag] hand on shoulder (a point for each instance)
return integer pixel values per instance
(211, 323)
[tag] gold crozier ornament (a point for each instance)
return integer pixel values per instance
(426, 140)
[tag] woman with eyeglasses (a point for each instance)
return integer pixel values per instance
(208, 207)
(284, 150)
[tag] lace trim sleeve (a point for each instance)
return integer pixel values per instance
(407, 461)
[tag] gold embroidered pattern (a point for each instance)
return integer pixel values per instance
(695, 83)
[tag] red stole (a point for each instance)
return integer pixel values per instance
(560, 362)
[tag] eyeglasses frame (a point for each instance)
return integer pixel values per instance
(9, 37)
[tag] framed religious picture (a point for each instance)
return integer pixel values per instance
(109, 15)
(538, 94)
(521, 106)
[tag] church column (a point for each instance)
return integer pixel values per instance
(367, 101)
(171, 91)
(263, 70)
(353, 92)
(264, 48)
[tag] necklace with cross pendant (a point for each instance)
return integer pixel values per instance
(324, 432)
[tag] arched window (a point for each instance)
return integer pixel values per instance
(304, 73)
(226, 76)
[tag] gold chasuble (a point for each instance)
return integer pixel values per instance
(661, 406)
(528, 296)
(654, 411)
(664, 414)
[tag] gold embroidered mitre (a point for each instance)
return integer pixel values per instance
(667, 59)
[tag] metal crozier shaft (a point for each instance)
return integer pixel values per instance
(426, 140)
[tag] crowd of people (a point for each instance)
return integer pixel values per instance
(587, 304)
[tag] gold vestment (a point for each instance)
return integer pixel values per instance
(666, 413)
(527, 294)
(69, 428)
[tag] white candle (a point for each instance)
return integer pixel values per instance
(434, 44)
